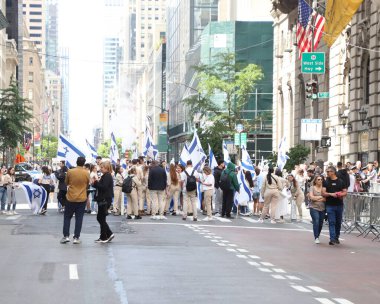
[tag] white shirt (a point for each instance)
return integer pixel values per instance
(352, 183)
(208, 179)
(189, 171)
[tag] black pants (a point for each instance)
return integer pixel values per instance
(228, 198)
(61, 197)
(70, 209)
(47, 188)
(105, 231)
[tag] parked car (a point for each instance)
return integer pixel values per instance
(25, 172)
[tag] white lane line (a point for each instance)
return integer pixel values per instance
(217, 237)
(324, 301)
(242, 250)
(278, 277)
(73, 272)
(300, 288)
(215, 241)
(211, 233)
(250, 220)
(241, 256)
(267, 264)
(206, 231)
(255, 257)
(224, 241)
(293, 278)
(232, 245)
(202, 233)
(342, 301)
(253, 263)
(231, 250)
(221, 244)
(223, 220)
(265, 270)
(207, 236)
(279, 270)
(317, 289)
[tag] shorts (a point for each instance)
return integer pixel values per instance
(255, 195)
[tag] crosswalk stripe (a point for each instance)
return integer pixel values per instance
(223, 220)
(300, 288)
(324, 301)
(249, 220)
(317, 289)
(342, 301)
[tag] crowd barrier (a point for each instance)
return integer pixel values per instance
(362, 213)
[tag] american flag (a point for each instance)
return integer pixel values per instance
(305, 27)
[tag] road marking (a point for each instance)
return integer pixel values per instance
(221, 244)
(242, 250)
(254, 257)
(231, 250)
(279, 270)
(324, 301)
(300, 288)
(202, 233)
(241, 256)
(293, 278)
(250, 220)
(206, 231)
(278, 277)
(211, 233)
(118, 284)
(317, 289)
(265, 270)
(253, 263)
(217, 237)
(224, 241)
(342, 301)
(223, 220)
(73, 272)
(267, 264)
(215, 241)
(207, 236)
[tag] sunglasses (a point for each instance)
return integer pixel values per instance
(319, 179)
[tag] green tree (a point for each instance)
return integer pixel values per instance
(15, 117)
(104, 148)
(48, 148)
(297, 155)
(224, 90)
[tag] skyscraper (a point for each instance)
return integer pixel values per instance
(52, 59)
(65, 73)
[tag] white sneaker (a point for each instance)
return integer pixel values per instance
(273, 222)
(208, 218)
(15, 213)
(76, 241)
(93, 212)
(154, 217)
(3, 212)
(317, 241)
(163, 217)
(9, 213)
(260, 221)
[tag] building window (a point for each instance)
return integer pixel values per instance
(30, 60)
(35, 35)
(35, 27)
(35, 20)
(31, 76)
(35, 13)
(366, 77)
(35, 5)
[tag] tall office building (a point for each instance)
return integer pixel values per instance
(111, 58)
(65, 74)
(52, 59)
(34, 12)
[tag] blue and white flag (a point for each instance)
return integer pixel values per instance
(114, 151)
(197, 155)
(246, 162)
(282, 158)
(244, 195)
(185, 156)
(93, 154)
(212, 160)
(68, 151)
(226, 155)
(150, 149)
(34, 194)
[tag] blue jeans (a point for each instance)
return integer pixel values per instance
(334, 214)
(3, 197)
(317, 217)
(70, 209)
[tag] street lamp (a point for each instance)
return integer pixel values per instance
(344, 118)
(363, 115)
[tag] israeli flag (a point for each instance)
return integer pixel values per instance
(226, 155)
(93, 154)
(68, 151)
(114, 151)
(212, 160)
(34, 194)
(150, 149)
(197, 155)
(246, 162)
(282, 158)
(244, 195)
(185, 156)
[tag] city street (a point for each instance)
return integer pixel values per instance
(224, 261)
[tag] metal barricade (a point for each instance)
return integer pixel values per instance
(362, 213)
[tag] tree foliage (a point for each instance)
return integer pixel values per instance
(15, 117)
(48, 148)
(104, 148)
(297, 155)
(224, 88)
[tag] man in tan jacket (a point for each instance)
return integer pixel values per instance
(77, 180)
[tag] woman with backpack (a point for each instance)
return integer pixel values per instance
(117, 190)
(132, 181)
(46, 182)
(270, 191)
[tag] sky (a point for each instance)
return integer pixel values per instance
(81, 30)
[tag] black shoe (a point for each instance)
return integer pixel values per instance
(189, 214)
(331, 243)
(174, 214)
(110, 238)
(138, 217)
(337, 241)
(129, 217)
(184, 218)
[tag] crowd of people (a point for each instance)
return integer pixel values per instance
(156, 189)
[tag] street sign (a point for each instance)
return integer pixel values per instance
(237, 139)
(323, 95)
(313, 63)
(239, 128)
(311, 129)
(243, 139)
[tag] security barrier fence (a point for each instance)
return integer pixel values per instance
(362, 214)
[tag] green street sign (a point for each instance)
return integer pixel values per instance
(243, 139)
(237, 139)
(240, 139)
(323, 95)
(313, 63)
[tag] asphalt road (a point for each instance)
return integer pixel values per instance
(236, 261)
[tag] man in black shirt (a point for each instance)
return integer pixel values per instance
(335, 192)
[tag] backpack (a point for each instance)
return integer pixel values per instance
(225, 181)
(127, 185)
(191, 183)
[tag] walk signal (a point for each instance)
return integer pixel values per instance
(326, 142)
(312, 89)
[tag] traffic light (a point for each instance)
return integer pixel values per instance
(312, 89)
(326, 142)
